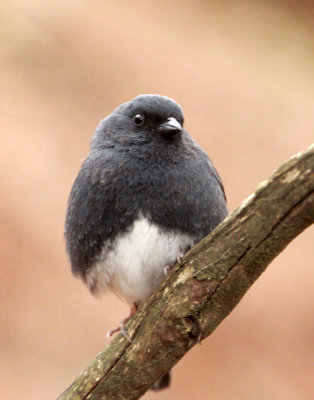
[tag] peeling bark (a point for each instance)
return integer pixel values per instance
(201, 291)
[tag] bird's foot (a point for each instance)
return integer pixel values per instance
(179, 258)
(168, 268)
(122, 327)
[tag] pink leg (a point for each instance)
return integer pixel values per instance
(121, 327)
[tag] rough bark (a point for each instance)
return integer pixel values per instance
(205, 287)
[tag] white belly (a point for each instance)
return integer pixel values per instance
(134, 265)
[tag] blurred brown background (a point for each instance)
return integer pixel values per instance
(243, 73)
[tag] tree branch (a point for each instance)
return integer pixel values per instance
(201, 291)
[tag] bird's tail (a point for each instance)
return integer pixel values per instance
(162, 383)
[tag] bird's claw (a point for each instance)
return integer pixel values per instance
(120, 328)
(179, 258)
(168, 268)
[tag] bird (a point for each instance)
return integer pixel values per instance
(144, 195)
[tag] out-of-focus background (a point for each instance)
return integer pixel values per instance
(243, 73)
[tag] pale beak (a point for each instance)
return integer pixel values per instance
(170, 127)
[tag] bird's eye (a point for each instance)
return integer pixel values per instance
(139, 119)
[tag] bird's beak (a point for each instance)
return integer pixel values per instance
(170, 127)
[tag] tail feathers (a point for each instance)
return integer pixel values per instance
(162, 383)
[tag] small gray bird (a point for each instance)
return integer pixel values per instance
(145, 194)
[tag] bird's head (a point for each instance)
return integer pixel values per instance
(144, 119)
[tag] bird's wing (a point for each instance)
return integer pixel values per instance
(218, 179)
(94, 217)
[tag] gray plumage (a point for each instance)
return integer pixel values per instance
(145, 194)
(140, 174)
(137, 173)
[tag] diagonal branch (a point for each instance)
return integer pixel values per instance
(205, 287)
